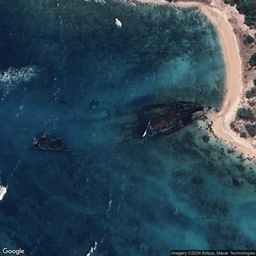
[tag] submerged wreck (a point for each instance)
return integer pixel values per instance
(170, 117)
(148, 121)
(151, 120)
(48, 143)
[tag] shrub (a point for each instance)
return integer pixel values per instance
(251, 129)
(233, 127)
(248, 39)
(244, 113)
(252, 60)
(231, 2)
(248, 8)
(250, 93)
(243, 135)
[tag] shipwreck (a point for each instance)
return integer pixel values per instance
(48, 142)
(133, 123)
(153, 120)
(167, 118)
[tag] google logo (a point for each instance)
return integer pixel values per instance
(16, 252)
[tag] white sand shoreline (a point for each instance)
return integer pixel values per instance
(216, 12)
(233, 84)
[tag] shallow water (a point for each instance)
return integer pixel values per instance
(131, 196)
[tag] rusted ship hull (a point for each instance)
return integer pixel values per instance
(168, 118)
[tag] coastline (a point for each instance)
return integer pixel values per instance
(235, 61)
(233, 84)
(220, 16)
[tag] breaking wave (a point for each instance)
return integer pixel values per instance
(12, 77)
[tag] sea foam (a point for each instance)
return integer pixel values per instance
(12, 77)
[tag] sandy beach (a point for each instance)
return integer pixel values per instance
(219, 14)
(234, 84)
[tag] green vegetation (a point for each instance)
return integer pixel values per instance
(248, 39)
(233, 127)
(243, 134)
(252, 60)
(248, 8)
(231, 2)
(251, 129)
(250, 93)
(244, 113)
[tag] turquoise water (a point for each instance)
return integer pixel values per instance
(84, 80)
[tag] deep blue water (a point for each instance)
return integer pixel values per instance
(87, 79)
